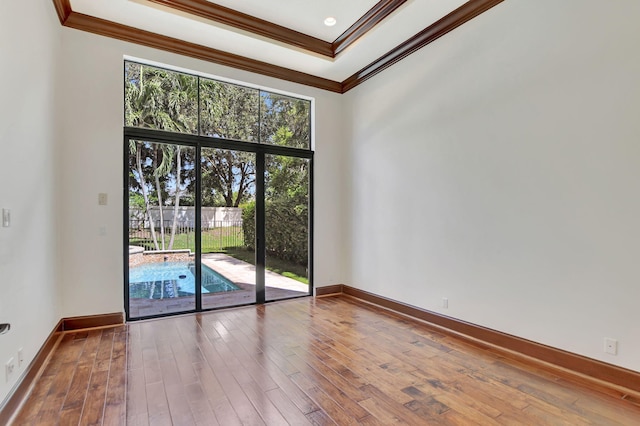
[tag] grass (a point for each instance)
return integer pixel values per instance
(228, 240)
(283, 267)
(213, 240)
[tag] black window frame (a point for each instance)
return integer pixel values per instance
(198, 142)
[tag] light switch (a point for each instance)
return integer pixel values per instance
(6, 218)
(102, 199)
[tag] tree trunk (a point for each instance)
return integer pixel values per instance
(176, 204)
(145, 195)
(243, 175)
(159, 192)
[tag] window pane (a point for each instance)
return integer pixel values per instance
(285, 121)
(228, 228)
(161, 228)
(160, 99)
(228, 111)
(286, 227)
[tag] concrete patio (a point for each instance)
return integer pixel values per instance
(241, 273)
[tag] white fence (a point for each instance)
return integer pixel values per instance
(186, 216)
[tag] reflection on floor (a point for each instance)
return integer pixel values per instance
(322, 361)
(240, 273)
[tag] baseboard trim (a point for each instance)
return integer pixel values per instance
(20, 392)
(93, 321)
(23, 387)
(329, 290)
(606, 377)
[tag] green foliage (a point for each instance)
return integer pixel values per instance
(285, 121)
(227, 175)
(249, 224)
(136, 202)
(229, 111)
(163, 175)
(287, 230)
(160, 99)
(286, 210)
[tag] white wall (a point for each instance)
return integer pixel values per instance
(29, 42)
(92, 161)
(512, 147)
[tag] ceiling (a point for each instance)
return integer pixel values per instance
(287, 38)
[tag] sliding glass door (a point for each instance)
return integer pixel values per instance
(213, 224)
(286, 226)
(161, 228)
(227, 244)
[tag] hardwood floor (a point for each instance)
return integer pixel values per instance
(332, 360)
(84, 382)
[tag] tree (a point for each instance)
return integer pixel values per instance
(163, 100)
(286, 205)
(285, 121)
(166, 100)
(228, 174)
(228, 111)
(135, 148)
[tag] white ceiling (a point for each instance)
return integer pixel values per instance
(306, 16)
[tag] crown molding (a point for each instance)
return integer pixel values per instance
(365, 24)
(63, 9)
(453, 20)
(130, 34)
(242, 21)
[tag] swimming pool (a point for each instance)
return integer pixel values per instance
(173, 279)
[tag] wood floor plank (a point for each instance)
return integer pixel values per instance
(385, 408)
(31, 409)
(157, 404)
(76, 395)
(200, 408)
(278, 371)
(115, 404)
(56, 396)
(347, 398)
(288, 409)
(136, 395)
(268, 411)
(324, 401)
(328, 361)
(93, 412)
(215, 394)
(243, 408)
(321, 418)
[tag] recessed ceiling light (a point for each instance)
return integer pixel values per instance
(330, 21)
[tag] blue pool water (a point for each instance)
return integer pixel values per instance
(173, 279)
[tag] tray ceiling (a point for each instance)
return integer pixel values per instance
(284, 34)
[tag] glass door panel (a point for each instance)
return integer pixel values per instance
(228, 228)
(161, 231)
(286, 227)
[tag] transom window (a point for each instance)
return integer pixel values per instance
(161, 99)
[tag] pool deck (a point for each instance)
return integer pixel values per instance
(240, 273)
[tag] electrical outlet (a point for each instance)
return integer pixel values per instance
(20, 357)
(9, 369)
(102, 199)
(445, 302)
(611, 346)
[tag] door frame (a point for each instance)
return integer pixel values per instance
(199, 142)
